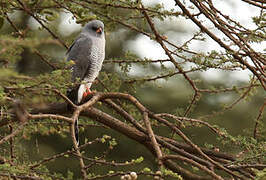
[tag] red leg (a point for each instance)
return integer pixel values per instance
(86, 93)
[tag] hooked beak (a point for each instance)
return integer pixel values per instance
(99, 30)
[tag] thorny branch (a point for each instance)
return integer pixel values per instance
(140, 134)
(238, 42)
(28, 11)
(208, 161)
(257, 121)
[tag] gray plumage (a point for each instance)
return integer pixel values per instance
(88, 52)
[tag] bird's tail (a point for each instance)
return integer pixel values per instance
(72, 94)
(77, 132)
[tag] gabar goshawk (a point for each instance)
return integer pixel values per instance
(87, 52)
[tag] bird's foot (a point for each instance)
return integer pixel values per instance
(86, 93)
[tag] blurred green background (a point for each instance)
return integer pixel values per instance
(170, 96)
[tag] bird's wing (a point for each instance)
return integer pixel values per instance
(80, 52)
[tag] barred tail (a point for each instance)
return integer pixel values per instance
(77, 132)
(72, 94)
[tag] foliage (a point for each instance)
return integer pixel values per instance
(151, 118)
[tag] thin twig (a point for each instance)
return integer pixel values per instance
(153, 139)
(260, 115)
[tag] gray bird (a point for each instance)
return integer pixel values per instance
(87, 52)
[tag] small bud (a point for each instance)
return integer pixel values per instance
(164, 37)
(128, 177)
(133, 175)
(158, 173)
(216, 149)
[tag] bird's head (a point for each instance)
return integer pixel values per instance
(95, 28)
